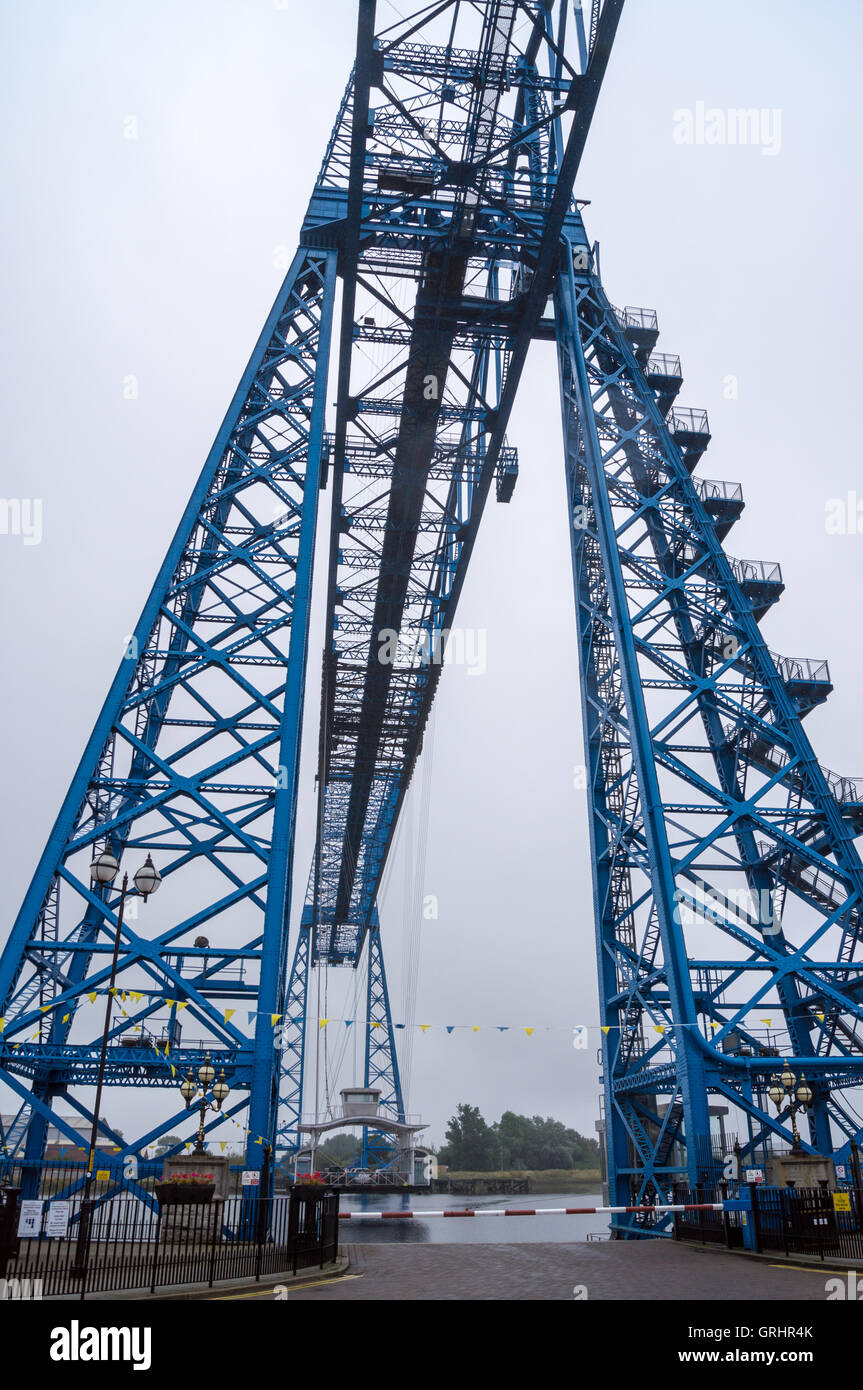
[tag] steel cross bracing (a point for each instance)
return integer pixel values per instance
(726, 879)
(445, 187)
(194, 759)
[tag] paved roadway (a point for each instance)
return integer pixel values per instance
(643, 1270)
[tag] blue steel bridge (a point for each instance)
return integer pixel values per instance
(727, 881)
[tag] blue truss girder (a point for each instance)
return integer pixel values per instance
(708, 805)
(195, 759)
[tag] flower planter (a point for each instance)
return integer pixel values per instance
(175, 1194)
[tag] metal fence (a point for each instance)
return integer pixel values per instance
(132, 1241)
(804, 1221)
(708, 1227)
(793, 1220)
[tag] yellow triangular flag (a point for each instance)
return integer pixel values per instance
(606, 1028)
(182, 1004)
(424, 1027)
(475, 1028)
(659, 1027)
(768, 1021)
(92, 997)
(229, 1013)
(322, 1022)
(2, 1024)
(274, 1018)
(222, 1145)
(66, 1018)
(44, 1008)
(530, 1031)
(173, 1068)
(820, 1016)
(374, 1025)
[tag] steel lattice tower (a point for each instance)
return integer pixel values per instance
(726, 879)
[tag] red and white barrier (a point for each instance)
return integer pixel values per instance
(521, 1211)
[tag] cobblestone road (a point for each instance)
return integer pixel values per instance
(608, 1270)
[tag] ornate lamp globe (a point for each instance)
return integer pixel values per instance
(206, 1072)
(104, 868)
(147, 879)
(804, 1093)
(188, 1089)
(787, 1078)
(220, 1090)
(776, 1094)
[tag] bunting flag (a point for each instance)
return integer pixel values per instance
(155, 999)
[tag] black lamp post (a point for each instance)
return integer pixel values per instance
(103, 871)
(189, 1090)
(785, 1089)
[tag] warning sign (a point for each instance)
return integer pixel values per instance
(841, 1201)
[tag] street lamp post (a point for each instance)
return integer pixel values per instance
(103, 871)
(785, 1089)
(189, 1090)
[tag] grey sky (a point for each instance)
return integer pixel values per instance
(156, 257)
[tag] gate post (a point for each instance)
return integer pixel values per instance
(753, 1227)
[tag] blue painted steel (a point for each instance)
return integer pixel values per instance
(194, 759)
(712, 824)
(727, 885)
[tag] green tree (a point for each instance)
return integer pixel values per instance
(470, 1142)
(167, 1142)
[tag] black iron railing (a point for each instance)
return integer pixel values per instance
(794, 1220)
(137, 1242)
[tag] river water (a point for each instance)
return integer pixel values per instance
(437, 1230)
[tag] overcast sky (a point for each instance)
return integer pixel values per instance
(157, 257)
